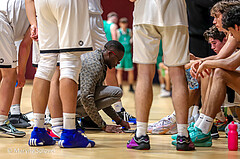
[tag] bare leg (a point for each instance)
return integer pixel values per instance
(160, 77)
(54, 102)
(17, 96)
(167, 80)
(7, 89)
(179, 93)
(119, 76)
(68, 95)
(194, 97)
(144, 92)
(40, 95)
(130, 77)
(217, 95)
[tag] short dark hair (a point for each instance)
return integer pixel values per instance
(112, 14)
(231, 17)
(214, 33)
(223, 6)
(114, 45)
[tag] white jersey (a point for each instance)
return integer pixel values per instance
(160, 12)
(15, 12)
(94, 7)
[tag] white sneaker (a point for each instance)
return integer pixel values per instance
(164, 126)
(165, 93)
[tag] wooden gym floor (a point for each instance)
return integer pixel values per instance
(110, 146)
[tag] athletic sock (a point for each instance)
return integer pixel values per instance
(141, 129)
(173, 117)
(2, 119)
(198, 122)
(38, 120)
(190, 113)
(117, 106)
(206, 124)
(15, 109)
(47, 112)
(182, 129)
(57, 125)
(195, 113)
(69, 120)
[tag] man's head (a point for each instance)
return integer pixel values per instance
(123, 22)
(113, 53)
(219, 8)
(113, 17)
(216, 38)
(231, 21)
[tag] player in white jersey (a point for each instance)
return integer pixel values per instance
(155, 20)
(14, 26)
(57, 36)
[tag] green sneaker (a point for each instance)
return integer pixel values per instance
(198, 137)
(190, 129)
(204, 144)
(10, 131)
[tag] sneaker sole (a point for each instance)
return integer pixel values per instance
(12, 135)
(33, 142)
(204, 144)
(140, 147)
(61, 145)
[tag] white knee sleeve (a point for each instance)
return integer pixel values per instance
(70, 66)
(46, 66)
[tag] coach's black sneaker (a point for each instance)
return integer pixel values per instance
(87, 123)
(214, 132)
(10, 131)
(126, 116)
(19, 121)
(184, 144)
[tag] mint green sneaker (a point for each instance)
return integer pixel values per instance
(204, 144)
(198, 138)
(190, 129)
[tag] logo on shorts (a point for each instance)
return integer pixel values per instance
(81, 43)
(1, 60)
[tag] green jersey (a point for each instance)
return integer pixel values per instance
(107, 29)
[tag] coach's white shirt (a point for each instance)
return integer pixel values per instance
(15, 12)
(160, 12)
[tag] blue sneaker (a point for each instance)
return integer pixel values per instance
(74, 138)
(40, 137)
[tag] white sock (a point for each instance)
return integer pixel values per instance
(206, 124)
(38, 120)
(141, 128)
(162, 86)
(15, 109)
(190, 112)
(47, 112)
(198, 122)
(69, 120)
(195, 112)
(173, 117)
(2, 119)
(57, 125)
(117, 106)
(182, 129)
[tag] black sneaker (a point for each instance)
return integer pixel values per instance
(10, 131)
(87, 123)
(19, 121)
(214, 132)
(131, 89)
(127, 117)
(184, 144)
(141, 143)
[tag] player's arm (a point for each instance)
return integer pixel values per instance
(31, 14)
(230, 63)
(24, 51)
(113, 30)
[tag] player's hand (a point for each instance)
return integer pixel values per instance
(194, 68)
(193, 57)
(21, 80)
(113, 129)
(203, 68)
(125, 125)
(34, 32)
